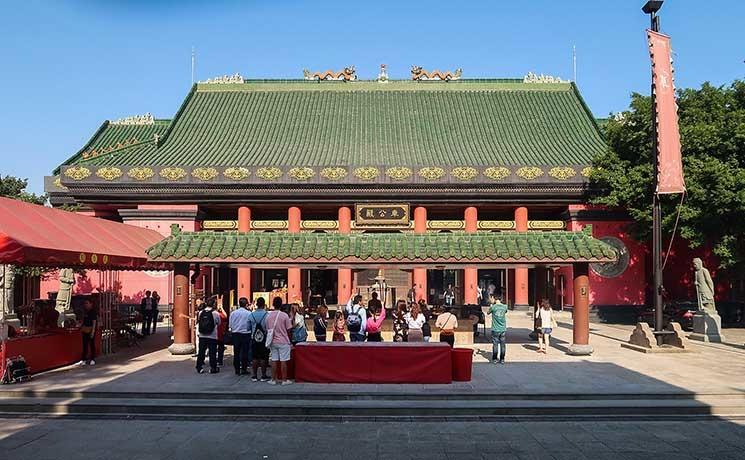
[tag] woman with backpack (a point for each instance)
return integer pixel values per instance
(340, 325)
(400, 328)
(299, 331)
(258, 337)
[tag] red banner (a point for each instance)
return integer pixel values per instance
(669, 161)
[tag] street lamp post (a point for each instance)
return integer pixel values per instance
(651, 8)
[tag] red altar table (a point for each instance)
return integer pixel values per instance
(365, 362)
(48, 350)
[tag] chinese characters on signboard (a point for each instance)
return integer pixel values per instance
(381, 214)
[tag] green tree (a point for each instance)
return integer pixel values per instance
(13, 187)
(712, 130)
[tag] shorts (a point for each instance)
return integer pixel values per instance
(280, 351)
(547, 330)
(259, 351)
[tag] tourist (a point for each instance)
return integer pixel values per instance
(449, 296)
(447, 322)
(88, 331)
(414, 322)
(426, 328)
(340, 325)
(374, 303)
(411, 296)
(498, 312)
(240, 330)
(375, 323)
(279, 328)
(146, 310)
(400, 328)
(208, 320)
(154, 310)
(546, 317)
(320, 324)
(259, 350)
(299, 330)
(356, 319)
(221, 333)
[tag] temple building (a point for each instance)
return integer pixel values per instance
(325, 186)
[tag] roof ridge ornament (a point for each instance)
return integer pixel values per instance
(135, 120)
(531, 77)
(348, 74)
(225, 79)
(383, 75)
(419, 74)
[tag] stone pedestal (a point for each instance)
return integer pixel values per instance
(707, 327)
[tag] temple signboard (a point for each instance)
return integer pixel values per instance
(373, 215)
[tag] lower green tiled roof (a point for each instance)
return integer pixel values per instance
(482, 247)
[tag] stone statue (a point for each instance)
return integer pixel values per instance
(704, 287)
(7, 281)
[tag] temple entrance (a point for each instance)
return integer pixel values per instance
(320, 286)
(438, 282)
(492, 282)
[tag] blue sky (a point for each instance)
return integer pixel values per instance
(65, 66)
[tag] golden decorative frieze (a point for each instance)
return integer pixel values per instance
(432, 173)
(546, 224)
(236, 173)
(271, 173)
(77, 172)
(173, 173)
(497, 172)
(205, 174)
(58, 183)
(529, 172)
(398, 172)
(587, 171)
(141, 173)
(335, 173)
(109, 173)
(562, 172)
(301, 174)
(366, 173)
(464, 173)
(496, 225)
(446, 224)
(269, 224)
(220, 225)
(319, 225)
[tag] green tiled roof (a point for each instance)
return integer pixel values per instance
(485, 247)
(298, 123)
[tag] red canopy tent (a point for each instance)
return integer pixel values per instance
(34, 235)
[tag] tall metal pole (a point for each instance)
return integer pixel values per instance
(656, 210)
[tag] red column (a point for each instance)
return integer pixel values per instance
(420, 274)
(521, 274)
(581, 312)
(244, 273)
(181, 323)
(294, 289)
(344, 275)
(471, 274)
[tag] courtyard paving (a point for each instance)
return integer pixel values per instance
(708, 369)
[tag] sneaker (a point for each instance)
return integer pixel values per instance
(265, 379)
(80, 363)
(200, 371)
(501, 361)
(287, 382)
(271, 382)
(91, 363)
(254, 379)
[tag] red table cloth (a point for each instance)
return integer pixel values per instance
(351, 362)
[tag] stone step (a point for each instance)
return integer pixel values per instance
(321, 409)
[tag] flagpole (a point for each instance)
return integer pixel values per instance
(651, 8)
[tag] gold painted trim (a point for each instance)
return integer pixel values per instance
(446, 224)
(529, 172)
(464, 173)
(301, 174)
(497, 172)
(205, 174)
(562, 172)
(319, 225)
(492, 225)
(77, 172)
(109, 173)
(269, 224)
(431, 173)
(269, 174)
(141, 173)
(587, 171)
(220, 225)
(236, 173)
(366, 173)
(334, 174)
(399, 172)
(546, 224)
(173, 174)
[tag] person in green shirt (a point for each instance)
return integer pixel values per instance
(498, 312)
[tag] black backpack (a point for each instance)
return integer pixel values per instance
(206, 322)
(354, 320)
(259, 335)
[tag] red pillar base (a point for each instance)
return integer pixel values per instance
(581, 312)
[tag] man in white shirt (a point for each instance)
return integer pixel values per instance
(356, 319)
(207, 332)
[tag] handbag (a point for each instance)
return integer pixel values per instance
(86, 329)
(270, 332)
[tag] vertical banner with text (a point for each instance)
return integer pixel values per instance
(669, 161)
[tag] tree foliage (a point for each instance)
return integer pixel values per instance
(712, 129)
(13, 187)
